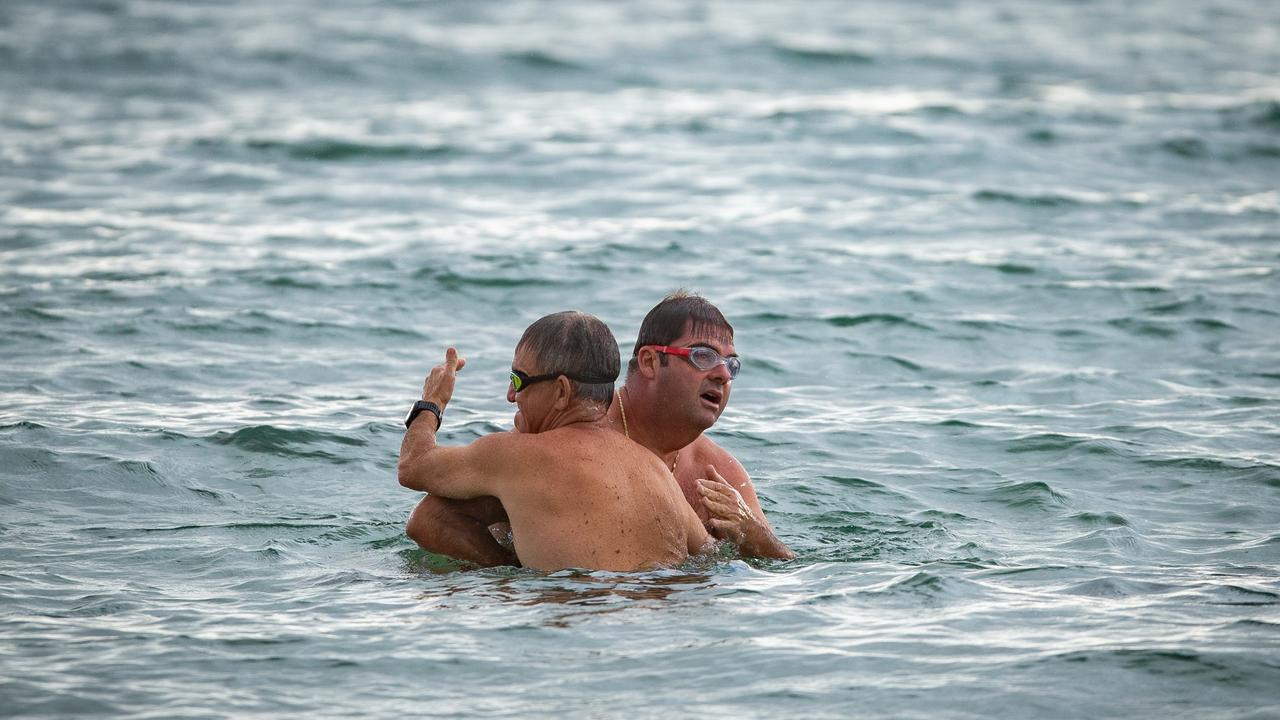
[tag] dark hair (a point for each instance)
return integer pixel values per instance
(578, 346)
(678, 313)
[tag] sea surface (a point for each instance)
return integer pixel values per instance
(1005, 278)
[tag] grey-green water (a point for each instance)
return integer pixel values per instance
(1004, 277)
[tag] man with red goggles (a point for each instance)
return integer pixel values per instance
(677, 384)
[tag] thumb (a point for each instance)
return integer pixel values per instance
(452, 361)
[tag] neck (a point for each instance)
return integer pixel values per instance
(580, 416)
(645, 424)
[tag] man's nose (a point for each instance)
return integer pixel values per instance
(720, 374)
(511, 393)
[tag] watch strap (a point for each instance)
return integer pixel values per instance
(419, 407)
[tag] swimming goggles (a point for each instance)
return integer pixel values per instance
(520, 381)
(703, 357)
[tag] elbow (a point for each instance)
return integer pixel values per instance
(408, 478)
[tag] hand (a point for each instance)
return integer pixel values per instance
(729, 517)
(438, 387)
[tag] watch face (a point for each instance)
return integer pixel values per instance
(413, 412)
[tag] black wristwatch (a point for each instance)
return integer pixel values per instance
(417, 409)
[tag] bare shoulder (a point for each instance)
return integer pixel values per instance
(705, 451)
(507, 451)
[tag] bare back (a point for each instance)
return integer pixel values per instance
(589, 498)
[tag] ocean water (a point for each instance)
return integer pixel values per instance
(1005, 278)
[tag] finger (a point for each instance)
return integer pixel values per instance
(714, 475)
(725, 530)
(451, 358)
(709, 490)
(719, 508)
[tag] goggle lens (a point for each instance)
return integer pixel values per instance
(704, 358)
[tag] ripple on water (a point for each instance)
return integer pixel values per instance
(1224, 674)
(886, 319)
(1026, 200)
(288, 442)
(1122, 541)
(1033, 495)
(336, 150)
(1227, 594)
(928, 588)
(1118, 587)
(1101, 519)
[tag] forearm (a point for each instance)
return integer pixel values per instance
(460, 529)
(759, 541)
(417, 451)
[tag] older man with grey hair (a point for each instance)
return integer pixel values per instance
(576, 492)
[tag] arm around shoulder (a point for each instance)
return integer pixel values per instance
(469, 471)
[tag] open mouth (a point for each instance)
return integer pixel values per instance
(712, 397)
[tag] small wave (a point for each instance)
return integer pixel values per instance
(877, 318)
(541, 60)
(765, 317)
(759, 364)
(1254, 624)
(1267, 152)
(1041, 135)
(1191, 148)
(1105, 519)
(286, 442)
(1035, 494)
(455, 281)
(1119, 540)
(1237, 595)
(1179, 663)
(1055, 442)
(1264, 114)
(1215, 465)
(957, 424)
(339, 150)
(1034, 201)
(900, 362)
(930, 587)
(824, 56)
(1143, 328)
(91, 606)
(1179, 307)
(40, 314)
(1212, 324)
(24, 426)
(1111, 587)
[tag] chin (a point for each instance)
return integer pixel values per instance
(705, 420)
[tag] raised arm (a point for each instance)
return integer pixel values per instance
(454, 472)
(734, 510)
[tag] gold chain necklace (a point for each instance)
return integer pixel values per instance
(627, 432)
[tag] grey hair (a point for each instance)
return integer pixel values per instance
(579, 346)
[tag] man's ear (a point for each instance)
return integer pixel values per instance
(564, 392)
(647, 362)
